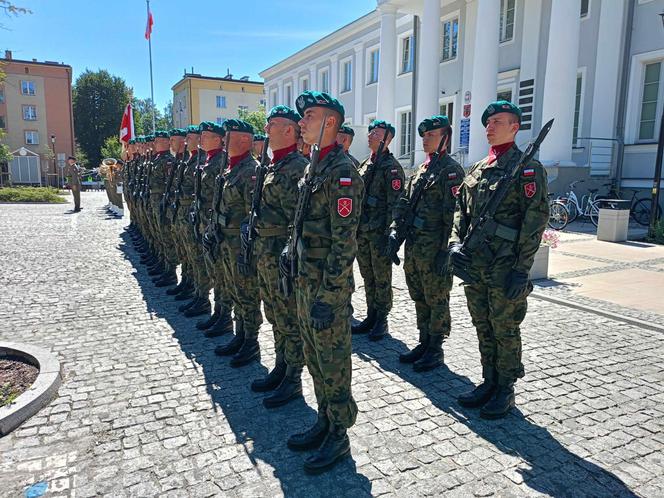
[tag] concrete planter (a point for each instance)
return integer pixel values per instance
(540, 268)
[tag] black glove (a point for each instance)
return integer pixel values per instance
(440, 263)
(208, 241)
(321, 315)
(243, 266)
(392, 247)
(244, 237)
(457, 257)
(284, 264)
(516, 284)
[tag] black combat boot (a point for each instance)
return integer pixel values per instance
(433, 355)
(186, 306)
(201, 307)
(185, 283)
(313, 437)
(416, 353)
(187, 293)
(223, 325)
(289, 389)
(482, 393)
(249, 351)
(235, 343)
(208, 322)
(335, 447)
(168, 278)
(156, 269)
(272, 380)
(365, 325)
(380, 328)
(148, 258)
(502, 401)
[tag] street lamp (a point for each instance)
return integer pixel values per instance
(55, 164)
(658, 169)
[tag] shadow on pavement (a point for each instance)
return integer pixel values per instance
(261, 432)
(553, 469)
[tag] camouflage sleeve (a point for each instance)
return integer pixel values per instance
(289, 188)
(460, 227)
(248, 186)
(534, 194)
(401, 204)
(395, 183)
(452, 184)
(344, 211)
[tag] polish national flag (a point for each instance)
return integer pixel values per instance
(148, 26)
(127, 125)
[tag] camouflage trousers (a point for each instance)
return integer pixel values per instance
(430, 292)
(327, 353)
(376, 270)
(497, 320)
(243, 290)
(280, 311)
(163, 238)
(223, 291)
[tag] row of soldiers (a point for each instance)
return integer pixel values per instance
(284, 229)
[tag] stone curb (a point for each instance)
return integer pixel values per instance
(39, 394)
(607, 314)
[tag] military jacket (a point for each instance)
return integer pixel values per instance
(383, 185)
(522, 216)
(434, 213)
(186, 180)
(356, 163)
(329, 241)
(74, 173)
(208, 183)
(238, 189)
(160, 169)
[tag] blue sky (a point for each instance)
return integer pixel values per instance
(246, 36)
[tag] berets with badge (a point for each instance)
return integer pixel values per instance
(500, 106)
(319, 99)
(347, 130)
(212, 128)
(259, 137)
(283, 111)
(238, 126)
(382, 125)
(161, 134)
(193, 130)
(149, 138)
(432, 123)
(178, 132)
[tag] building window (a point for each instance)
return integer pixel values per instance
(220, 120)
(648, 120)
(405, 123)
(29, 113)
(348, 76)
(506, 20)
(504, 95)
(242, 109)
(221, 102)
(27, 87)
(31, 137)
(2, 95)
(325, 81)
(447, 109)
(289, 95)
(262, 103)
(2, 123)
(407, 54)
(305, 84)
(577, 108)
(450, 39)
(374, 61)
(273, 97)
(584, 8)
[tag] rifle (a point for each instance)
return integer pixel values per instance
(286, 279)
(213, 223)
(406, 220)
(261, 169)
(371, 170)
(165, 198)
(148, 178)
(196, 205)
(484, 229)
(175, 206)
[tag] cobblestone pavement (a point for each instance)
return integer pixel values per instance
(146, 408)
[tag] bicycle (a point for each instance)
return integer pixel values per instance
(558, 214)
(587, 208)
(640, 209)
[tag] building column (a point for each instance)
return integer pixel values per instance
(334, 75)
(428, 62)
(280, 92)
(525, 97)
(313, 78)
(485, 73)
(387, 68)
(560, 82)
(358, 83)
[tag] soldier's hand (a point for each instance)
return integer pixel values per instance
(244, 237)
(321, 315)
(208, 241)
(284, 264)
(440, 264)
(392, 247)
(516, 284)
(458, 258)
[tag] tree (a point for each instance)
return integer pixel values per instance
(112, 147)
(257, 119)
(81, 157)
(99, 102)
(12, 10)
(168, 116)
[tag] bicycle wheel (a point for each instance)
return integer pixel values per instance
(641, 211)
(573, 213)
(558, 215)
(594, 212)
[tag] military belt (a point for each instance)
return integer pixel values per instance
(272, 231)
(311, 252)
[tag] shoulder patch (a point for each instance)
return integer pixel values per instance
(396, 184)
(345, 182)
(344, 206)
(529, 189)
(452, 176)
(529, 172)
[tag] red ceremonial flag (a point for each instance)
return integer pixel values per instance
(148, 26)
(127, 125)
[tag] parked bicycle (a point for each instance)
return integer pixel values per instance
(640, 209)
(558, 214)
(587, 208)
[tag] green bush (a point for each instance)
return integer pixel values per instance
(30, 194)
(657, 235)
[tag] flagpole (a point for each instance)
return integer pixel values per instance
(154, 125)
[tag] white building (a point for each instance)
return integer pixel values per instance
(596, 66)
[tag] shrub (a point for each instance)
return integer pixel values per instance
(30, 194)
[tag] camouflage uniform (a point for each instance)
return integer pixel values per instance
(161, 168)
(325, 273)
(356, 163)
(383, 185)
(429, 234)
(522, 217)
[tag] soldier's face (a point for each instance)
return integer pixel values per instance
(210, 141)
(257, 147)
(192, 141)
(501, 128)
(177, 144)
(161, 144)
(431, 140)
(375, 137)
(310, 124)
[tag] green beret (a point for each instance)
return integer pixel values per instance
(318, 99)
(383, 125)
(500, 106)
(259, 137)
(283, 111)
(193, 130)
(132, 141)
(347, 130)
(177, 132)
(238, 126)
(212, 128)
(161, 134)
(149, 138)
(432, 123)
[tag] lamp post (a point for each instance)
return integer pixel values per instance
(658, 169)
(55, 162)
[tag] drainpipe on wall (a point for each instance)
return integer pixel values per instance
(413, 108)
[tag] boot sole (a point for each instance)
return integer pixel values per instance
(209, 334)
(246, 361)
(324, 468)
(313, 445)
(265, 388)
(276, 404)
(496, 416)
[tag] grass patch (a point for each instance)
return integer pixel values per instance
(657, 235)
(30, 194)
(7, 394)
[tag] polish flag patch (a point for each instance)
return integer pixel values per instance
(344, 206)
(530, 189)
(455, 190)
(345, 182)
(396, 184)
(451, 176)
(394, 171)
(529, 172)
